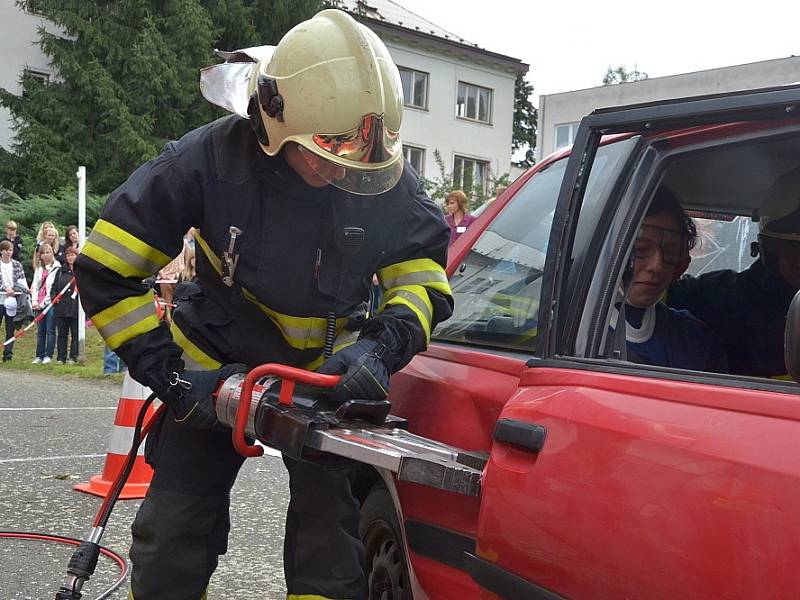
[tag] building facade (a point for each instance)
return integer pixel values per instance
(560, 114)
(459, 99)
(20, 55)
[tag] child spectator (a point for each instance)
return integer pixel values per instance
(43, 279)
(13, 237)
(66, 310)
(11, 276)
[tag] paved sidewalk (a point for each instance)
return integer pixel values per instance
(54, 434)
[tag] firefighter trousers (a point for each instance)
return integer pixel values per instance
(182, 526)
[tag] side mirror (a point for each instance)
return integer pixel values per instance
(791, 341)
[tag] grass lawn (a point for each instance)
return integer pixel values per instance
(90, 368)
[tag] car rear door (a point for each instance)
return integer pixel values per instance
(607, 480)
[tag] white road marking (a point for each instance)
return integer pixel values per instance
(35, 458)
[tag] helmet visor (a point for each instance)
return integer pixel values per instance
(354, 180)
(366, 160)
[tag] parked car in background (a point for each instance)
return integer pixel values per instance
(602, 477)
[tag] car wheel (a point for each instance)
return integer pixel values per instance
(387, 574)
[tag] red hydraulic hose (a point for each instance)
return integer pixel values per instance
(49, 537)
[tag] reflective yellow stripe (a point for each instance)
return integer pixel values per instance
(419, 271)
(416, 298)
(212, 258)
(121, 252)
(309, 597)
(299, 332)
(126, 319)
(343, 340)
(194, 358)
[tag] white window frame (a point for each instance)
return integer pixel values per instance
(413, 73)
(572, 131)
(458, 181)
(42, 76)
(408, 150)
(462, 109)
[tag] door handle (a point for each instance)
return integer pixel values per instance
(528, 436)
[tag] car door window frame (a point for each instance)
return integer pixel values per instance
(629, 211)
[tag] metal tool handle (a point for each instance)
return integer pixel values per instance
(289, 377)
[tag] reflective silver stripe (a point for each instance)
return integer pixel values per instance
(345, 337)
(123, 253)
(121, 440)
(131, 318)
(416, 278)
(416, 301)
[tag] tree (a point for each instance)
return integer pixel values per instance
(442, 185)
(621, 75)
(126, 82)
(525, 122)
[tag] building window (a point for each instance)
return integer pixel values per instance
(415, 88)
(470, 175)
(565, 134)
(474, 102)
(41, 76)
(416, 156)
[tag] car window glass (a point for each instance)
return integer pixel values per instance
(723, 242)
(497, 288)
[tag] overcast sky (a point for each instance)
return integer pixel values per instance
(569, 44)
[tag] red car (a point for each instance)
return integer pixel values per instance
(601, 478)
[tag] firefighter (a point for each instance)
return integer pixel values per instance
(295, 207)
(748, 309)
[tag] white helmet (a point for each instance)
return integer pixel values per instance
(329, 86)
(779, 215)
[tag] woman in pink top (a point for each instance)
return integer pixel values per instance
(458, 220)
(40, 298)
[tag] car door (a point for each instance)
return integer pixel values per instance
(454, 392)
(608, 479)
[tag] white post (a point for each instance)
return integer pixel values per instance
(81, 174)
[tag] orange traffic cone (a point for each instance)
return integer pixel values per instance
(119, 445)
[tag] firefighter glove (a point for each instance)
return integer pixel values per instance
(364, 373)
(190, 396)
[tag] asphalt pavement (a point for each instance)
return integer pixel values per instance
(54, 433)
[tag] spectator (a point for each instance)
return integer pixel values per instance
(11, 277)
(169, 276)
(457, 218)
(48, 234)
(72, 238)
(112, 363)
(66, 310)
(43, 279)
(13, 237)
(188, 273)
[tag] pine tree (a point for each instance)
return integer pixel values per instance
(126, 82)
(525, 122)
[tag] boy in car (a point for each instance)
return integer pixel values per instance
(657, 334)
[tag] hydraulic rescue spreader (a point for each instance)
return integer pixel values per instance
(287, 408)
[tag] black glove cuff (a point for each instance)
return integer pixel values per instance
(380, 330)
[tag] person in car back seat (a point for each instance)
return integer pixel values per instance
(657, 334)
(748, 309)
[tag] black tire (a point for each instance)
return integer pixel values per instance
(385, 561)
